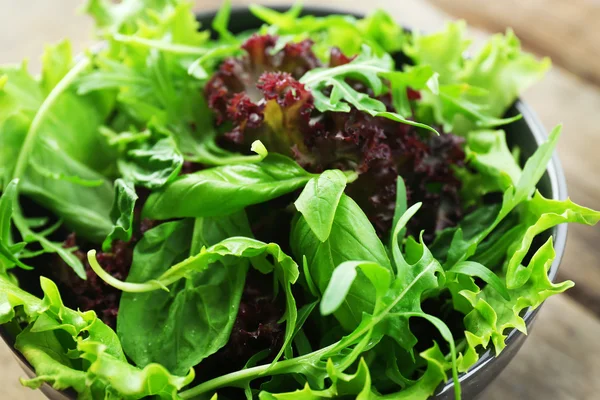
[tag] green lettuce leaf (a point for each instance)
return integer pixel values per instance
(493, 316)
(72, 349)
(126, 381)
(378, 30)
(539, 215)
(462, 246)
(489, 154)
(504, 70)
(475, 91)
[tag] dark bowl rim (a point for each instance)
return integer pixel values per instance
(555, 173)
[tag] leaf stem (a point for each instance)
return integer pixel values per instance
(123, 286)
(159, 45)
(62, 86)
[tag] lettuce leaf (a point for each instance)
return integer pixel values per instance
(493, 316)
(475, 91)
(73, 349)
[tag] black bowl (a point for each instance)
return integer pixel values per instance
(527, 133)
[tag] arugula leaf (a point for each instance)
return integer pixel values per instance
(225, 190)
(352, 238)
(357, 385)
(152, 166)
(194, 319)
(399, 211)
(417, 78)
(400, 300)
(221, 21)
(122, 213)
(396, 303)
(319, 200)
(365, 68)
(458, 104)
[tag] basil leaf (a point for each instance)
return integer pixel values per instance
(122, 213)
(319, 200)
(194, 319)
(226, 190)
(185, 273)
(352, 238)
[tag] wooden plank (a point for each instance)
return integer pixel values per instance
(565, 30)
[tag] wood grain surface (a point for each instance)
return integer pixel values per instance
(561, 359)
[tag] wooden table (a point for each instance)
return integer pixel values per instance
(561, 359)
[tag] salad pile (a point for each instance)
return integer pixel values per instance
(323, 207)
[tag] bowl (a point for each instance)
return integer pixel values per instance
(528, 133)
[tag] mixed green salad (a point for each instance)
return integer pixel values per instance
(323, 207)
